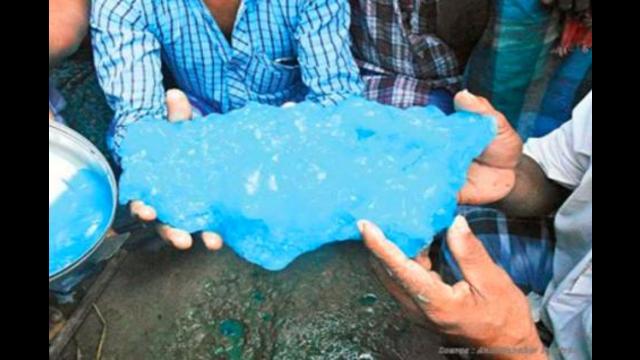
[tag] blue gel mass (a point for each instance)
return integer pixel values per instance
(279, 182)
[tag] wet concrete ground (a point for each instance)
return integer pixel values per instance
(167, 304)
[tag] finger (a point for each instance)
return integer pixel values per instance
(420, 283)
(505, 149)
(180, 239)
(464, 100)
(472, 258)
(412, 310)
(462, 292)
(142, 211)
(423, 259)
(486, 184)
(212, 240)
(178, 106)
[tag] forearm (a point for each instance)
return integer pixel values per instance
(533, 193)
(128, 66)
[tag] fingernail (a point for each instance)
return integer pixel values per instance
(468, 93)
(459, 225)
(372, 228)
(182, 240)
(361, 224)
(174, 234)
(148, 212)
(213, 241)
(174, 94)
(375, 230)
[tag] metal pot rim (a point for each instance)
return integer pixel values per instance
(89, 149)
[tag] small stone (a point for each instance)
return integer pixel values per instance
(368, 299)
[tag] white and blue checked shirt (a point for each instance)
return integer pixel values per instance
(279, 51)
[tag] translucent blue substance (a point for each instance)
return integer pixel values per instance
(276, 183)
(78, 219)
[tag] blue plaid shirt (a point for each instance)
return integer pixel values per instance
(280, 50)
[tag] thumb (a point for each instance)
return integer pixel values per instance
(505, 150)
(178, 106)
(466, 101)
(475, 263)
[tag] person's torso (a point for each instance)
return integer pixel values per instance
(224, 12)
(568, 298)
(573, 224)
(406, 36)
(258, 61)
(412, 52)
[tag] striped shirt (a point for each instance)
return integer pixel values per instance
(401, 58)
(279, 51)
(514, 68)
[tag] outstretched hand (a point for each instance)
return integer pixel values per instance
(486, 309)
(178, 109)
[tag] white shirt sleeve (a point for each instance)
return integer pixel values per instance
(587, 323)
(565, 154)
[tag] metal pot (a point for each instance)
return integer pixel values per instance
(69, 154)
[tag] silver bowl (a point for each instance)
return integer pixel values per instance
(68, 153)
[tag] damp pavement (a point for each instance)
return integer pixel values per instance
(328, 304)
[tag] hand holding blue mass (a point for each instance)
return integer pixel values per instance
(279, 182)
